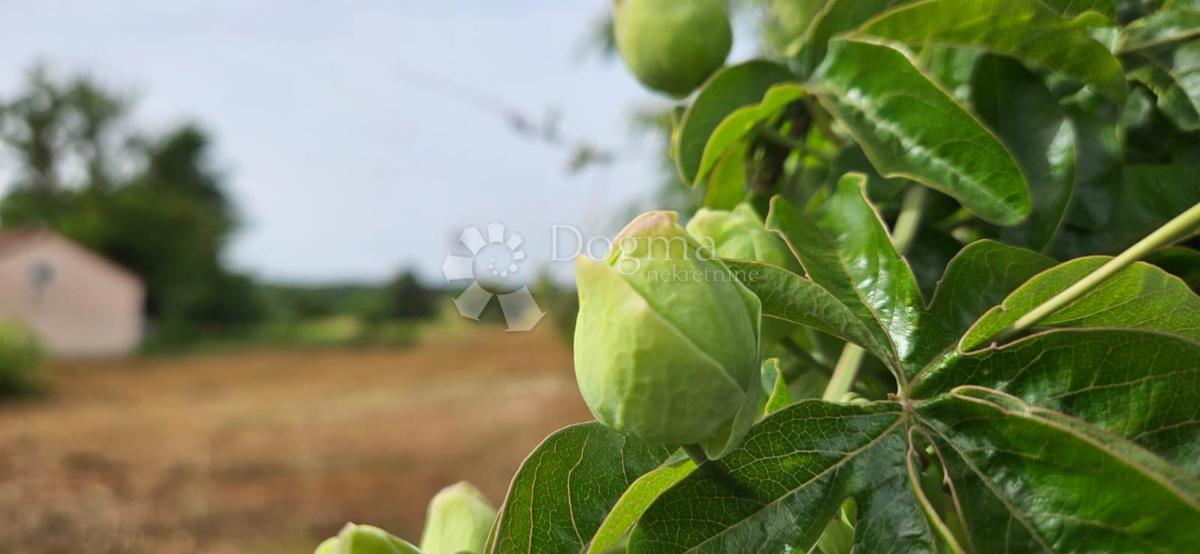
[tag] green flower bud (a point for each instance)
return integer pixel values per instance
(672, 45)
(365, 539)
(667, 341)
(741, 234)
(458, 520)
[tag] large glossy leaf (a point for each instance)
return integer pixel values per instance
(978, 278)
(1023, 29)
(1031, 480)
(1140, 296)
(778, 490)
(1141, 385)
(845, 248)
(909, 127)
(731, 88)
(566, 488)
(953, 67)
(1015, 103)
(789, 297)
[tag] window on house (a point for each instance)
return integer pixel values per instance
(41, 275)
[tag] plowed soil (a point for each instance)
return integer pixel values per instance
(270, 451)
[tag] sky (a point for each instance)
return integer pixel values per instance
(362, 137)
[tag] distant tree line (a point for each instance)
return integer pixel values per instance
(154, 203)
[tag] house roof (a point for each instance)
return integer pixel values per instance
(14, 239)
(17, 240)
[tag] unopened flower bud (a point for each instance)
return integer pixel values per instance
(458, 520)
(365, 539)
(667, 342)
(740, 234)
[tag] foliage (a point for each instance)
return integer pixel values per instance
(153, 204)
(408, 299)
(20, 357)
(940, 171)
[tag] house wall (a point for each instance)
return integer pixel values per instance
(79, 304)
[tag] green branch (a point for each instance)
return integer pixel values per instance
(1177, 228)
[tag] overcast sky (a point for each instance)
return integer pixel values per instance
(350, 143)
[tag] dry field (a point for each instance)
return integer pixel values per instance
(269, 451)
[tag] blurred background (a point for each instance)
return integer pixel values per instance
(255, 256)
(225, 324)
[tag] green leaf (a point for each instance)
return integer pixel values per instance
(1023, 29)
(565, 489)
(978, 278)
(634, 502)
(1165, 26)
(1185, 68)
(780, 396)
(909, 127)
(780, 488)
(727, 184)
(834, 18)
(838, 537)
(1180, 262)
(1140, 296)
(1041, 138)
(1140, 385)
(953, 67)
(1180, 105)
(737, 125)
(789, 297)
(1144, 198)
(731, 88)
(845, 248)
(1031, 480)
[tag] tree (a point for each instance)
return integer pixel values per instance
(407, 298)
(152, 204)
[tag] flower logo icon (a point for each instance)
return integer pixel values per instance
(494, 260)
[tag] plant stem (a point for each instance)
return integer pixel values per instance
(1174, 230)
(909, 219)
(907, 223)
(844, 373)
(695, 453)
